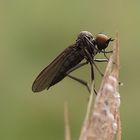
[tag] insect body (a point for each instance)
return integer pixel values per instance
(85, 47)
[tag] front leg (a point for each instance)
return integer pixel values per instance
(92, 63)
(100, 60)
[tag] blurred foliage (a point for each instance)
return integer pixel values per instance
(32, 33)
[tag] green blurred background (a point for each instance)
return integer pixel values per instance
(32, 33)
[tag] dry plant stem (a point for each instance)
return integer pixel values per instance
(117, 117)
(84, 129)
(118, 137)
(66, 122)
(103, 122)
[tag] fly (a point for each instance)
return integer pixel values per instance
(85, 47)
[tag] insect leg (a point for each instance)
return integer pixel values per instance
(90, 59)
(98, 69)
(82, 82)
(92, 63)
(106, 51)
(77, 79)
(106, 56)
(101, 60)
(92, 71)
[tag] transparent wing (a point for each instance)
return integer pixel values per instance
(46, 76)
